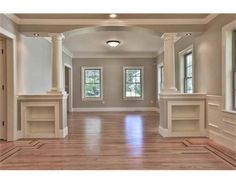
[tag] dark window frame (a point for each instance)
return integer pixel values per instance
(186, 78)
(85, 83)
(161, 76)
(135, 83)
(234, 71)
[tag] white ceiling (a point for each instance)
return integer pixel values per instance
(91, 42)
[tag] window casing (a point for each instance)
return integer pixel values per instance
(234, 86)
(161, 76)
(133, 83)
(234, 69)
(92, 88)
(160, 73)
(188, 73)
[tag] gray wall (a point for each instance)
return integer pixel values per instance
(207, 56)
(113, 82)
(35, 65)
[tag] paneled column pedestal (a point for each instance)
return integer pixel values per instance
(182, 115)
(42, 116)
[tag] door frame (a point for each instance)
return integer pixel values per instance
(4, 136)
(11, 102)
(70, 86)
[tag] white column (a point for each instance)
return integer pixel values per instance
(56, 62)
(169, 63)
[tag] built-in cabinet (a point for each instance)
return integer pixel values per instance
(40, 119)
(182, 115)
(43, 116)
(186, 118)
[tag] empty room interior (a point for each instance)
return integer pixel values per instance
(118, 91)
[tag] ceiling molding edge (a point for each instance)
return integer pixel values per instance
(210, 17)
(87, 22)
(64, 49)
(118, 55)
(14, 18)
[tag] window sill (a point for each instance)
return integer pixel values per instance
(133, 98)
(92, 99)
(230, 111)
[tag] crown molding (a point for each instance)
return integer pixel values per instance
(84, 55)
(14, 18)
(209, 18)
(109, 22)
(161, 50)
(64, 49)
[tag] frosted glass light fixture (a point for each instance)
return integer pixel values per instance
(113, 43)
(113, 15)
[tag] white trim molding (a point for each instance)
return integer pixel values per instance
(70, 95)
(227, 69)
(11, 56)
(63, 132)
(64, 49)
(100, 98)
(107, 22)
(181, 67)
(141, 68)
(115, 109)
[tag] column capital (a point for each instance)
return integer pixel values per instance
(57, 36)
(170, 36)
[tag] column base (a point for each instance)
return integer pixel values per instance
(169, 91)
(164, 132)
(57, 91)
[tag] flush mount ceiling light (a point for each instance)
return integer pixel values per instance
(188, 34)
(36, 34)
(113, 43)
(113, 15)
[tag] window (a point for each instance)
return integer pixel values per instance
(160, 73)
(133, 82)
(234, 69)
(161, 76)
(92, 83)
(234, 90)
(186, 70)
(188, 73)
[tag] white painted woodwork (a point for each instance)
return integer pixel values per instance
(169, 63)
(182, 115)
(40, 119)
(56, 62)
(186, 118)
(43, 115)
(2, 92)
(11, 100)
(69, 86)
(221, 124)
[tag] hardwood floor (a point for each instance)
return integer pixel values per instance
(115, 140)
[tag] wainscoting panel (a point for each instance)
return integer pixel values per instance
(221, 124)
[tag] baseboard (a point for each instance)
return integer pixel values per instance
(19, 134)
(63, 132)
(115, 109)
(222, 140)
(163, 131)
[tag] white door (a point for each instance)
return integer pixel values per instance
(2, 92)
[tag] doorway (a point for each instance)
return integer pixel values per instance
(68, 86)
(3, 127)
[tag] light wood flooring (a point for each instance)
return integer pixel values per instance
(115, 140)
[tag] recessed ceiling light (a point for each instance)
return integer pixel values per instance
(113, 15)
(36, 34)
(188, 34)
(113, 43)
